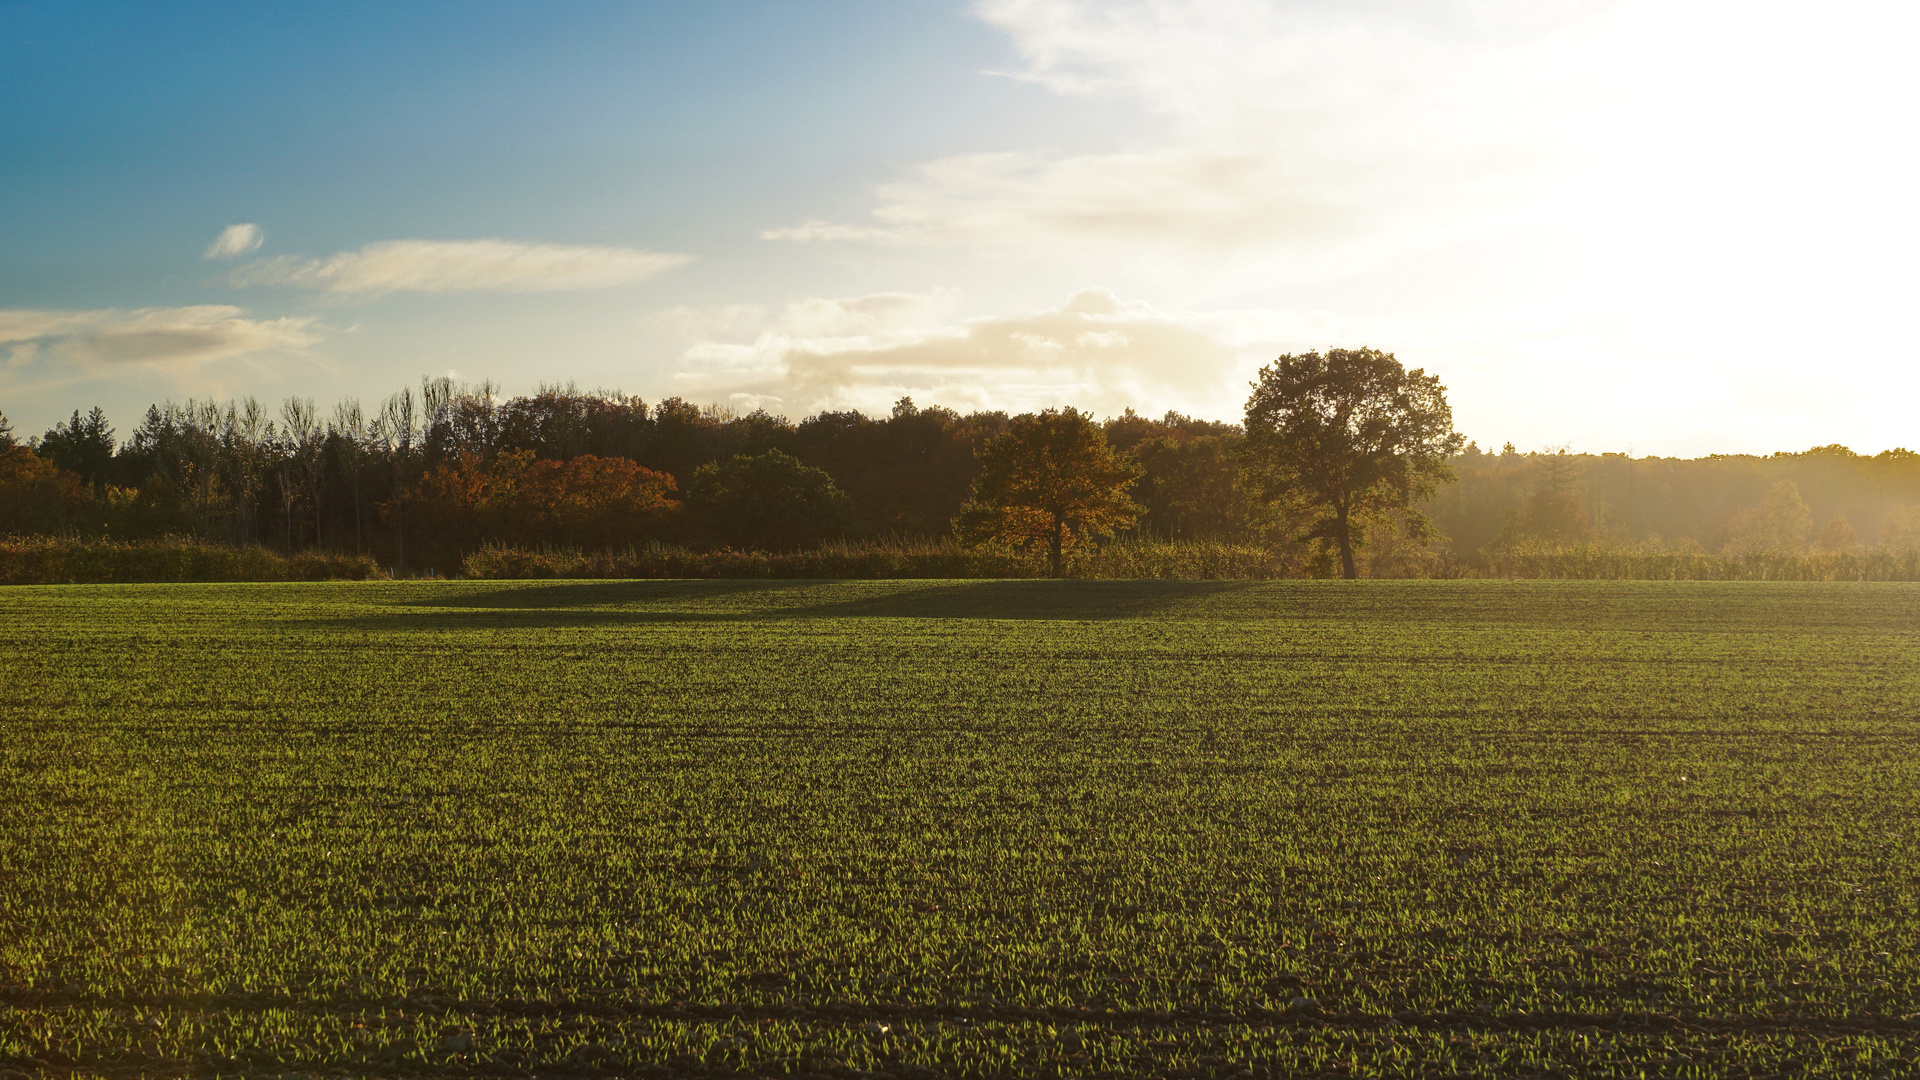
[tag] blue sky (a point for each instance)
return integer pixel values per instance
(1676, 227)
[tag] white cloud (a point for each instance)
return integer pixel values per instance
(158, 336)
(236, 240)
(1207, 195)
(462, 266)
(1275, 125)
(1610, 221)
(1096, 351)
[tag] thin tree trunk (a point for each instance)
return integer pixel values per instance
(399, 523)
(1059, 543)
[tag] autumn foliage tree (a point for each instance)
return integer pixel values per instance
(36, 496)
(1353, 434)
(589, 501)
(1052, 482)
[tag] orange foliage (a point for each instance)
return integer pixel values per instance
(36, 496)
(588, 502)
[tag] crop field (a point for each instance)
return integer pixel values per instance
(987, 828)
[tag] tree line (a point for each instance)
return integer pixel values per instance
(1345, 460)
(432, 472)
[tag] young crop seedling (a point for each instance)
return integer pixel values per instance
(981, 828)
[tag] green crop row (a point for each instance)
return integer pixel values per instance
(984, 828)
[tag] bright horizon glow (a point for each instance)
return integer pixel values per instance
(1672, 227)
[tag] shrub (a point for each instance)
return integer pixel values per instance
(64, 560)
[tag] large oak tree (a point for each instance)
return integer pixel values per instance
(1050, 481)
(1354, 435)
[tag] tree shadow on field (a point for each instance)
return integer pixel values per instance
(616, 603)
(602, 594)
(1029, 599)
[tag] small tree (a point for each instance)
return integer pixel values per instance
(1355, 435)
(1053, 481)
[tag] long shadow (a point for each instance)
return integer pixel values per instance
(641, 602)
(572, 594)
(1040, 599)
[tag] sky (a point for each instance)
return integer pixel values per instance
(1672, 227)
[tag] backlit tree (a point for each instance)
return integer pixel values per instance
(1353, 435)
(1051, 481)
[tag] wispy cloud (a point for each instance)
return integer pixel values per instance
(1095, 350)
(172, 336)
(462, 266)
(1275, 124)
(1209, 195)
(236, 240)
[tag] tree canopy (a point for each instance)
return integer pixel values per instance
(770, 500)
(1553, 511)
(1355, 435)
(1051, 480)
(82, 446)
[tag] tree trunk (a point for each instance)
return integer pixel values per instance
(399, 523)
(1344, 533)
(1059, 543)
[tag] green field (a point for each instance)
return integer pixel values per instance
(974, 828)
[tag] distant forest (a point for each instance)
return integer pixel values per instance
(433, 474)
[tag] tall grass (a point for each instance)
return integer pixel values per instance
(62, 560)
(929, 560)
(1616, 562)
(1196, 560)
(892, 559)
(1180, 560)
